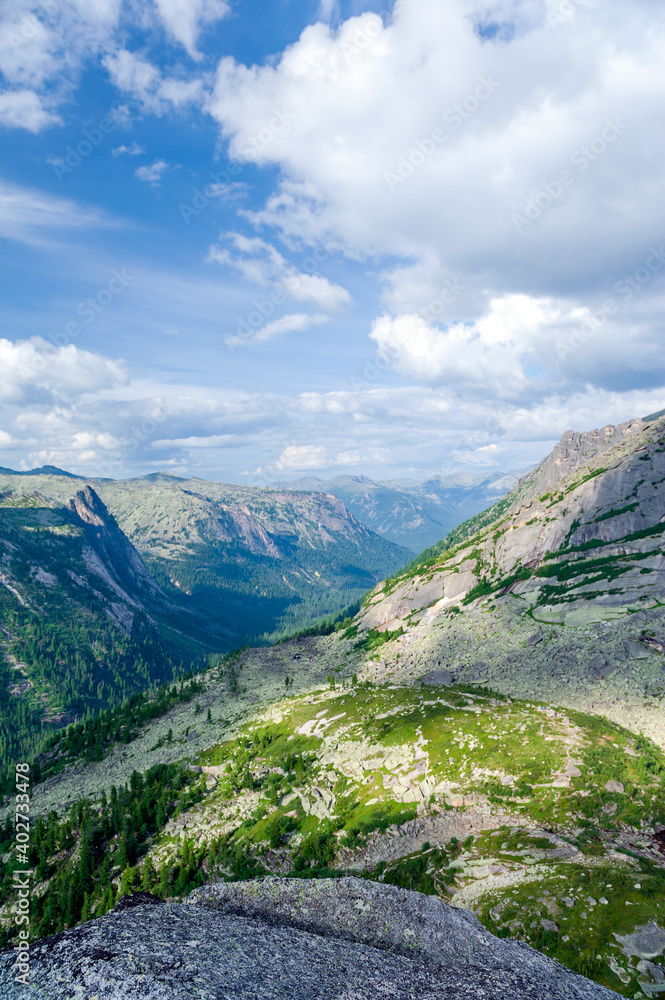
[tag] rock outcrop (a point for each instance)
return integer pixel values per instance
(345, 939)
(116, 553)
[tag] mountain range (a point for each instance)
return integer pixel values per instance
(99, 602)
(487, 729)
(254, 563)
(414, 515)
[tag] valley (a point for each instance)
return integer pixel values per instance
(487, 729)
(414, 515)
(259, 563)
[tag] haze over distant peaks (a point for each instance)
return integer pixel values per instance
(415, 515)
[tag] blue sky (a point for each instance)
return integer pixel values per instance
(243, 241)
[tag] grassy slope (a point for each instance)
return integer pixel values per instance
(320, 782)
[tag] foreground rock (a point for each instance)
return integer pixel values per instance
(340, 939)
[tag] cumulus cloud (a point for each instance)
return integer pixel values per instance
(35, 369)
(364, 99)
(292, 323)
(144, 82)
(45, 45)
(260, 262)
(132, 150)
(25, 109)
(493, 354)
(300, 457)
(152, 173)
(484, 168)
(184, 19)
(486, 455)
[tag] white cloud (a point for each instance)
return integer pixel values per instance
(259, 262)
(158, 95)
(24, 109)
(299, 457)
(292, 323)
(487, 455)
(33, 217)
(95, 420)
(492, 354)
(44, 45)
(184, 19)
(152, 174)
(27, 48)
(417, 140)
(34, 370)
(133, 150)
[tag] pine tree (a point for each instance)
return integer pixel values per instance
(149, 876)
(122, 858)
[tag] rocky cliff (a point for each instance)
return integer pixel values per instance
(117, 559)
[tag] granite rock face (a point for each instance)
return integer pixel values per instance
(584, 528)
(343, 939)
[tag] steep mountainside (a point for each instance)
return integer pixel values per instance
(584, 529)
(82, 622)
(257, 562)
(412, 514)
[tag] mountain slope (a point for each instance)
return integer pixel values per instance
(82, 622)
(585, 528)
(412, 514)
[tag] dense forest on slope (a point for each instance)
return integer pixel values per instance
(73, 641)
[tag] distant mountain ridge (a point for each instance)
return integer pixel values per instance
(244, 561)
(415, 515)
